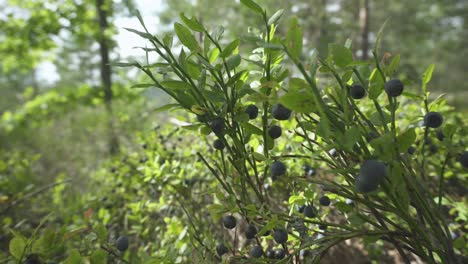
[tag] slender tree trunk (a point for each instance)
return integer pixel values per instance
(323, 20)
(198, 7)
(323, 37)
(106, 73)
(364, 25)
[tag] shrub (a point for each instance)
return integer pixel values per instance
(392, 200)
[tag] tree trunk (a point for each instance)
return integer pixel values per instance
(364, 25)
(106, 73)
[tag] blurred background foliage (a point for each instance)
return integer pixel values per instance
(62, 125)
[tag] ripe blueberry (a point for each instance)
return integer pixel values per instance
(309, 211)
(221, 249)
(357, 91)
(323, 227)
(267, 232)
(274, 132)
(304, 253)
(324, 200)
(433, 119)
(300, 208)
(270, 253)
(371, 135)
(229, 221)
(280, 236)
(256, 252)
(371, 174)
(394, 87)
(440, 135)
(218, 144)
(280, 112)
(251, 231)
(411, 150)
(252, 111)
(217, 125)
(122, 243)
(308, 170)
(277, 169)
(433, 148)
(279, 253)
(464, 159)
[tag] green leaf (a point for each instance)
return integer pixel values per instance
(355, 220)
(214, 96)
(168, 40)
(376, 84)
(73, 258)
(194, 127)
(406, 139)
(296, 84)
(449, 130)
(392, 68)
(427, 76)
(379, 36)
(370, 239)
(233, 61)
(294, 40)
(341, 55)
(124, 64)
(185, 37)
(241, 75)
(253, 6)
(383, 147)
(143, 85)
(252, 129)
(17, 247)
(218, 33)
(299, 101)
(193, 70)
(348, 43)
(343, 207)
(177, 85)
(141, 34)
(297, 199)
(376, 118)
(230, 48)
(99, 257)
(275, 17)
(323, 128)
(460, 243)
(182, 58)
(269, 226)
(185, 99)
(213, 55)
(101, 232)
(241, 118)
(350, 138)
(258, 156)
(192, 23)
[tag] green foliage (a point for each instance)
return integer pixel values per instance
(170, 192)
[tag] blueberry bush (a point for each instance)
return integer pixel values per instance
(354, 126)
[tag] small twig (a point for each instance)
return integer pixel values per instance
(110, 251)
(34, 193)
